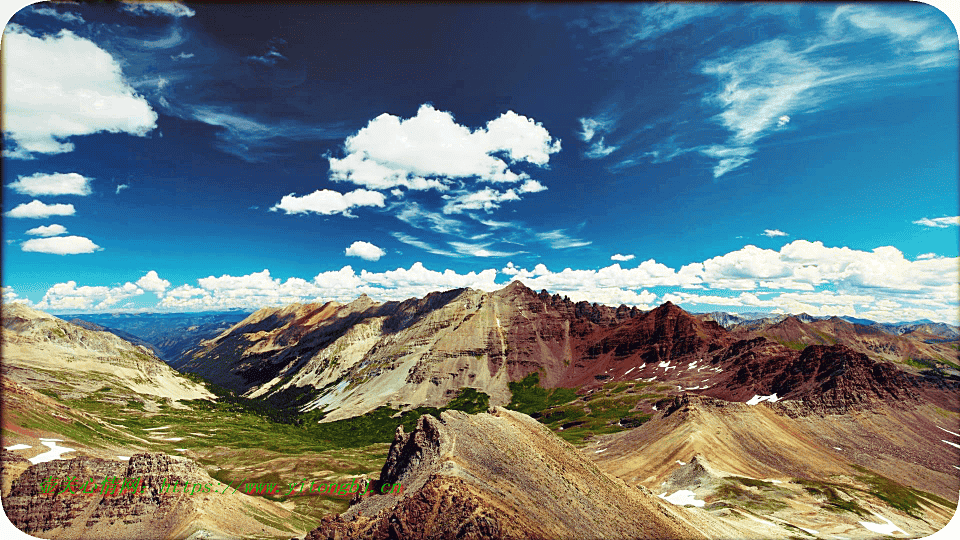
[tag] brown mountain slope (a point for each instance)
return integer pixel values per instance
(779, 468)
(499, 475)
(870, 340)
(42, 351)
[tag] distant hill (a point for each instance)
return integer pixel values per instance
(168, 334)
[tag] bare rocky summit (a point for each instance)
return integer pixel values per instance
(499, 475)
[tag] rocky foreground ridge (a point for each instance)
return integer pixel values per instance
(151, 513)
(499, 475)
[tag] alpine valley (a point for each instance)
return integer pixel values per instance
(506, 414)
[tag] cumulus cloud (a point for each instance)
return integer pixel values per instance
(48, 230)
(152, 282)
(364, 250)
(60, 86)
(37, 209)
(802, 276)
(619, 257)
(121, 187)
(11, 297)
(60, 245)
(774, 232)
(430, 149)
(783, 120)
(940, 222)
(52, 184)
(68, 296)
(531, 186)
(168, 9)
(326, 201)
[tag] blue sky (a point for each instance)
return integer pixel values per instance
(189, 157)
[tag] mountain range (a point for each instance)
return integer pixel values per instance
(509, 414)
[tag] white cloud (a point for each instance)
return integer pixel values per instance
(52, 184)
(10, 297)
(67, 296)
(152, 282)
(559, 239)
(182, 56)
(598, 150)
(48, 230)
(430, 149)
(940, 222)
(56, 87)
(325, 201)
(783, 120)
(364, 250)
(774, 232)
(923, 256)
(169, 9)
(879, 284)
(619, 257)
(636, 24)
(60, 245)
(270, 58)
(591, 126)
(416, 216)
(250, 139)
(416, 242)
(64, 16)
(532, 186)
(479, 250)
(37, 209)
(121, 187)
(487, 199)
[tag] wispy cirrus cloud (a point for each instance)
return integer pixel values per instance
(416, 242)
(65, 16)
(168, 9)
(940, 222)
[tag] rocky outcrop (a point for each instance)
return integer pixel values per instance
(498, 475)
(48, 500)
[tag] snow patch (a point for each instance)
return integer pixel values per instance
(948, 431)
(156, 428)
(124, 458)
(598, 451)
(52, 454)
(180, 449)
(18, 447)
(882, 528)
(951, 443)
(654, 407)
(772, 398)
(174, 439)
(629, 370)
(683, 497)
(680, 462)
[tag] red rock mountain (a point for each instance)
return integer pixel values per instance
(355, 357)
